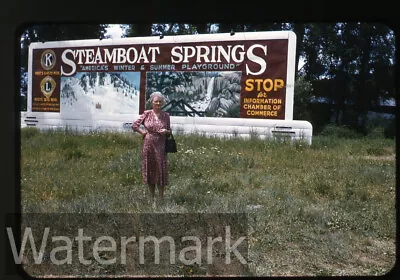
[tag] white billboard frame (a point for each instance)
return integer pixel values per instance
(229, 124)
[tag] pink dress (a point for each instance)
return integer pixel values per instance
(154, 158)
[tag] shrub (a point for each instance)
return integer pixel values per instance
(340, 132)
(390, 128)
(380, 127)
(302, 97)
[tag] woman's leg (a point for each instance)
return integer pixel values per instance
(152, 189)
(160, 193)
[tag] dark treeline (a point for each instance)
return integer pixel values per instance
(347, 68)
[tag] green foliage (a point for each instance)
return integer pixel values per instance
(340, 132)
(320, 116)
(378, 127)
(303, 91)
(70, 148)
(331, 198)
(377, 151)
(390, 128)
(29, 132)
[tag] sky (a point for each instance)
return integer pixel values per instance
(114, 31)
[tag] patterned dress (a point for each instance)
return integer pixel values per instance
(154, 158)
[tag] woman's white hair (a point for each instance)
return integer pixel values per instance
(157, 94)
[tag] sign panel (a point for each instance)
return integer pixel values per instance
(245, 75)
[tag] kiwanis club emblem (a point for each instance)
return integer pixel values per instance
(48, 59)
(47, 86)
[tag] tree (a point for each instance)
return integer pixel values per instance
(138, 30)
(344, 61)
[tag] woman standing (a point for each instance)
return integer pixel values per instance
(154, 159)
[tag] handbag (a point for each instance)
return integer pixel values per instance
(170, 144)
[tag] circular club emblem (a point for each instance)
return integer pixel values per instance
(48, 59)
(47, 86)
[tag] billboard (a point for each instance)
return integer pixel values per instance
(244, 75)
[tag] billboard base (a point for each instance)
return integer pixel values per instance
(281, 130)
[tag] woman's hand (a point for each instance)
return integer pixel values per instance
(165, 131)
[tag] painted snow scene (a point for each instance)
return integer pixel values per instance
(101, 93)
(201, 93)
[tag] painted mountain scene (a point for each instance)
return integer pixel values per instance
(214, 94)
(99, 92)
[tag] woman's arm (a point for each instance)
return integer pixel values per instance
(138, 122)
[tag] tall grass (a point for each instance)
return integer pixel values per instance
(324, 209)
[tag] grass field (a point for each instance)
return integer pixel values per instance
(324, 209)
